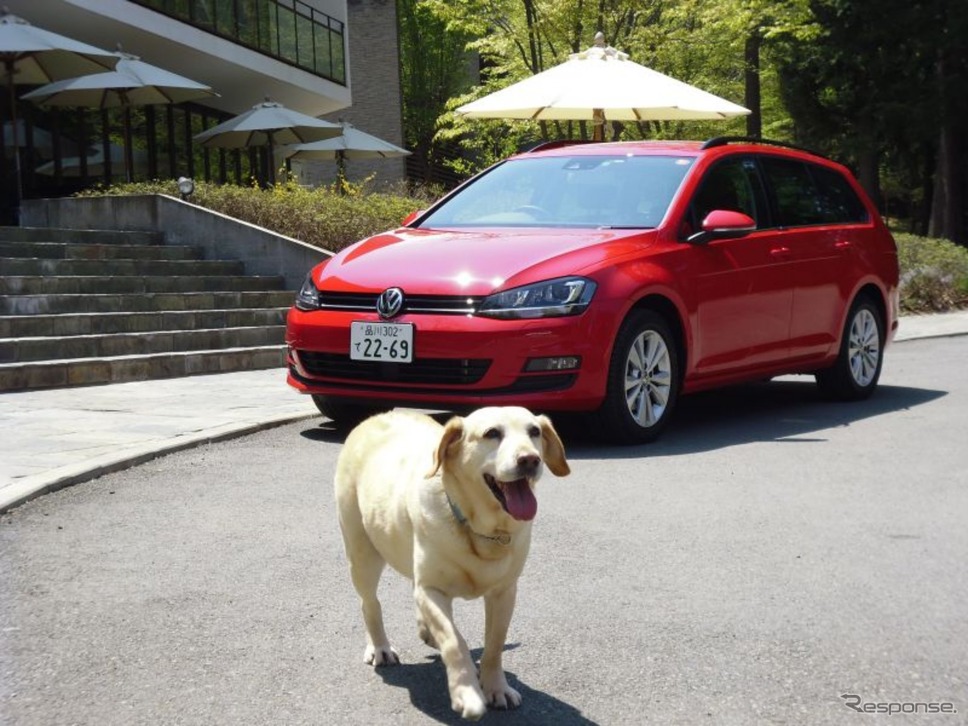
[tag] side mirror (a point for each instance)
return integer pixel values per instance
(723, 224)
(412, 216)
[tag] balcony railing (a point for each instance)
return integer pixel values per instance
(287, 30)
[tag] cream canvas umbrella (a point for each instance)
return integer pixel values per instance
(132, 83)
(268, 124)
(32, 55)
(601, 84)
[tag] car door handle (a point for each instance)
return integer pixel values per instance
(780, 253)
(843, 244)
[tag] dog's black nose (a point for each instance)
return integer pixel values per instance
(528, 464)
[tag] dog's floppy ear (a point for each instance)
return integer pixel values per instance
(449, 441)
(554, 450)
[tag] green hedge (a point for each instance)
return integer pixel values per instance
(934, 273)
(320, 217)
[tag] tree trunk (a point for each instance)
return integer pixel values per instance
(948, 202)
(754, 122)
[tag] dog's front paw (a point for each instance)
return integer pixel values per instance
(498, 693)
(380, 656)
(469, 702)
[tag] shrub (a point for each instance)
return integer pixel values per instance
(934, 274)
(320, 217)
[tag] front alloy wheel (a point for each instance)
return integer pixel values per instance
(643, 381)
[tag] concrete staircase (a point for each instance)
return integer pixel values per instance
(81, 307)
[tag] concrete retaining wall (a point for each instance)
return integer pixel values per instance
(220, 237)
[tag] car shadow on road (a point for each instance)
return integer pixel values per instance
(782, 410)
(427, 684)
(788, 410)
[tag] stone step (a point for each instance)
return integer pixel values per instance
(34, 326)
(53, 304)
(29, 267)
(93, 284)
(83, 251)
(23, 350)
(85, 236)
(90, 371)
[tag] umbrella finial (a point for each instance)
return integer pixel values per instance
(599, 39)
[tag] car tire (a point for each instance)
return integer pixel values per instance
(345, 415)
(643, 380)
(854, 375)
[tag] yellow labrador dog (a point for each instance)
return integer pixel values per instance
(450, 507)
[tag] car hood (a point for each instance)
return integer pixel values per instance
(477, 262)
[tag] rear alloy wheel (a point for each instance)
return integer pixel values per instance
(643, 380)
(345, 415)
(854, 375)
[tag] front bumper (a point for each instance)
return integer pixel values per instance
(459, 360)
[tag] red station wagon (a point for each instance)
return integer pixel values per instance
(608, 279)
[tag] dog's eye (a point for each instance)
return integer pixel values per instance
(534, 432)
(494, 434)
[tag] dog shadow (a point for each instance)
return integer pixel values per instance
(426, 683)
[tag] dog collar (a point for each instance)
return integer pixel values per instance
(501, 539)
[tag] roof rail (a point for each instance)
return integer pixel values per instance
(724, 140)
(557, 144)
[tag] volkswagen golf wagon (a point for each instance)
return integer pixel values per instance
(608, 279)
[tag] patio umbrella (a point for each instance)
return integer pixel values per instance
(598, 84)
(33, 55)
(353, 144)
(132, 83)
(268, 124)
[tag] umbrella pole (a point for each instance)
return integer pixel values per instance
(598, 121)
(341, 172)
(128, 158)
(271, 162)
(16, 142)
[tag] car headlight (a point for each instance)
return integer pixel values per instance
(308, 296)
(549, 299)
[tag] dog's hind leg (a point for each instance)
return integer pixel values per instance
(366, 566)
(424, 632)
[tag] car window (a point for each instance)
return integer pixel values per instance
(579, 191)
(798, 201)
(732, 184)
(838, 200)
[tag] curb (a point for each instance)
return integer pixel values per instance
(37, 485)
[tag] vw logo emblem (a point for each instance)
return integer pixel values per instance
(389, 303)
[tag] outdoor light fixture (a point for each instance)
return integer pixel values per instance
(186, 187)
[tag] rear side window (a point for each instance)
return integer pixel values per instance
(797, 199)
(807, 194)
(839, 201)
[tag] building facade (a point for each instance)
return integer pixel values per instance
(319, 57)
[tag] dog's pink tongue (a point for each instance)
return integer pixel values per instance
(520, 500)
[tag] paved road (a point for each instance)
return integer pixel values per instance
(769, 555)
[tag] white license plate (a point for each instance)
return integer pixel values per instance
(385, 342)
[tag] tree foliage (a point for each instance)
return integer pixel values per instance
(877, 84)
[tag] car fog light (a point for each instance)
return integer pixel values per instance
(562, 363)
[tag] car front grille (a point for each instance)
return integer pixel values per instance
(417, 304)
(442, 371)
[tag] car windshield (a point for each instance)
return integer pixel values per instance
(617, 191)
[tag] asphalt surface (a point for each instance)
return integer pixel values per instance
(769, 556)
(56, 438)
